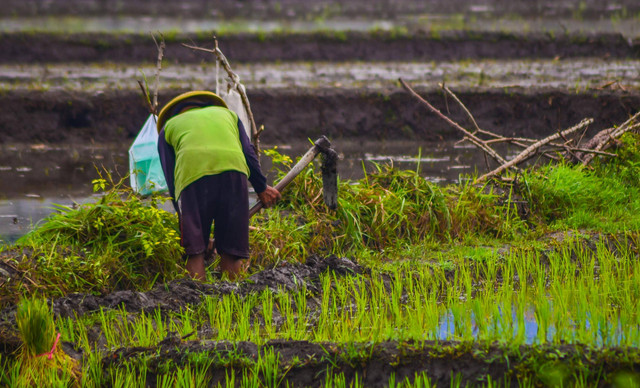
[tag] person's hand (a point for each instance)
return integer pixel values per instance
(269, 196)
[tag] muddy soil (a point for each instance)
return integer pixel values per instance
(319, 8)
(178, 294)
(304, 363)
(443, 362)
(323, 46)
(114, 116)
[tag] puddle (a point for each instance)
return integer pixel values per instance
(525, 326)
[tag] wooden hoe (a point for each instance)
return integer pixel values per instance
(329, 173)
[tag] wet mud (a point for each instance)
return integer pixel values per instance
(178, 294)
(306, 364)
(320, 46)
(303, 363)
(290, 115)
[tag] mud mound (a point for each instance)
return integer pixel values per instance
(306, 364)
(179, 293)
(116, 116)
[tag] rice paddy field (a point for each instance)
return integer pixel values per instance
(415, 280)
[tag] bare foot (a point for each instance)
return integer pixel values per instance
(195, 266)
(233, 266)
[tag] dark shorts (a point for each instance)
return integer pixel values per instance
(223, 198)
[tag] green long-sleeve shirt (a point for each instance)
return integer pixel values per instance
(206, 141)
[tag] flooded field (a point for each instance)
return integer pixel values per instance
(423, 276)
(626, 26)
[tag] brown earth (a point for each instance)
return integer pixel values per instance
(321, 46)
(444, 362)
(289, 115)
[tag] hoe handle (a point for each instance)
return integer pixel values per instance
(302, 163)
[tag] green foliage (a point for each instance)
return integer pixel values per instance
(119, 242)
(606, 198)
(36, 326)
(626, 166)
(388, 210)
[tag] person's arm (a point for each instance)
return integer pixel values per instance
(168, 163)
(267, 194)
(256, 177)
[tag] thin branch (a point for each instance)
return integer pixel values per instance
(472, 138)
(532, 149)
(236, 81)
(464, 108)
(160, 48)
(147, 99)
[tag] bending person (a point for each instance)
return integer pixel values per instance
(206, 158)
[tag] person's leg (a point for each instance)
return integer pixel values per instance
(195, 266)
(195, 225)
(231, 228)
(232, 265)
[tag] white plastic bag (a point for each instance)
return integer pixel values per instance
(145, 170)
(234, 103)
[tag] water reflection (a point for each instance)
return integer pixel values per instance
(523, 325)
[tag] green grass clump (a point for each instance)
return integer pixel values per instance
(388, 210)
(605, 198)
(36, 327)
(119, 242)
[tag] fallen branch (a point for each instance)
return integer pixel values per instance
(533, 149)
(603, 139)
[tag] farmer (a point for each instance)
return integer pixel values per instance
(206, 158)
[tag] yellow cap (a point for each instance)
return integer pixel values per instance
(203, 95)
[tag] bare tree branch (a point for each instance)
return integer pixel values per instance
(532, 149)
(160, 48)
(472, 138)
(236, 80)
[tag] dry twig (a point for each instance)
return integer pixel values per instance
(533, 149)
(160, 48)
(236, 80)
(545, 147)
(603, 139)
(472, 138)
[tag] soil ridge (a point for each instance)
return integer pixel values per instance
(443, 361)
(117, 115)
(338, 46)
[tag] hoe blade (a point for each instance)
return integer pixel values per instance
(329, 173)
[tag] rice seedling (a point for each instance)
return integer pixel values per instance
(41, 360)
